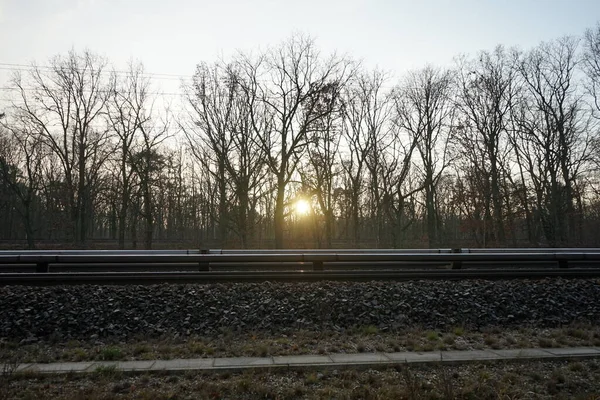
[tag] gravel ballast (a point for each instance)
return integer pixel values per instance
(87, 312)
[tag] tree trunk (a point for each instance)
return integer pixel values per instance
(497, 202)
(122, 224)
(431, 214)
(279, 214)
(134, 231)
(149, 229)
(28, 226)
(223, 215)
(124, 201)
(243, 218)
(80, 217)
(329, 228)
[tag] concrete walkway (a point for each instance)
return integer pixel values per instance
(316, 361)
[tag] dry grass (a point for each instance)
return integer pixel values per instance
(365, 339)
(544, 380)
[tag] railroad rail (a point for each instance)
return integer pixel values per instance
(216, 265)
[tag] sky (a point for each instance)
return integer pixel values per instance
(172, 36)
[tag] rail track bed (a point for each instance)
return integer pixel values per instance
(124, 312)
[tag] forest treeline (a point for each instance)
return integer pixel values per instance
(501, 149)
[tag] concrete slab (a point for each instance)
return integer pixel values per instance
(469, 355)
(399, 356)
(135, 365)
(522, 353)
(21, 367)
(302, 359)
(359, 358)
(101, 364)
(418, 357)
(179, 364)
(574, 351)
(313, 360)
(63, 367)
(242, 361)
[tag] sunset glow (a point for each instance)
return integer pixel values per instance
(302, 207)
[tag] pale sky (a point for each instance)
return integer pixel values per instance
(172, 36)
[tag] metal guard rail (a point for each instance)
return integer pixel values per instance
(205, 258)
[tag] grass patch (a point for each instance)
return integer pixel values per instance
(76, 354)
(576, 366)
(428, 346)
(282, 341)
(544, 342)
(195, 347)
(458, 330)
(449, 340)
(411, 344)
(490, 340)
(108, 371)
(510, 339)
(311, 378)
(110, 353)
(370, 330)
(484, 375)
(579, 333)
(141, 348)
(563, 340)
(262, 350)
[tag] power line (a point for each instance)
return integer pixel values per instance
(154, 75)
(31, 89)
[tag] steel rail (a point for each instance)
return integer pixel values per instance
(122, 278)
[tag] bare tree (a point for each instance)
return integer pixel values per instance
(425, 111)
(148, 160)
(21, 160)
(398, 182)
(284, 87)
(221, 124)
(486, 95)
(366, 115)
(591, 64)
(552, 139)
(66, 103)
(128, 108)
(319, 174)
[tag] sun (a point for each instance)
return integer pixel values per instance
(302, 207)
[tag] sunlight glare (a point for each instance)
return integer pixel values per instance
(302, 207)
